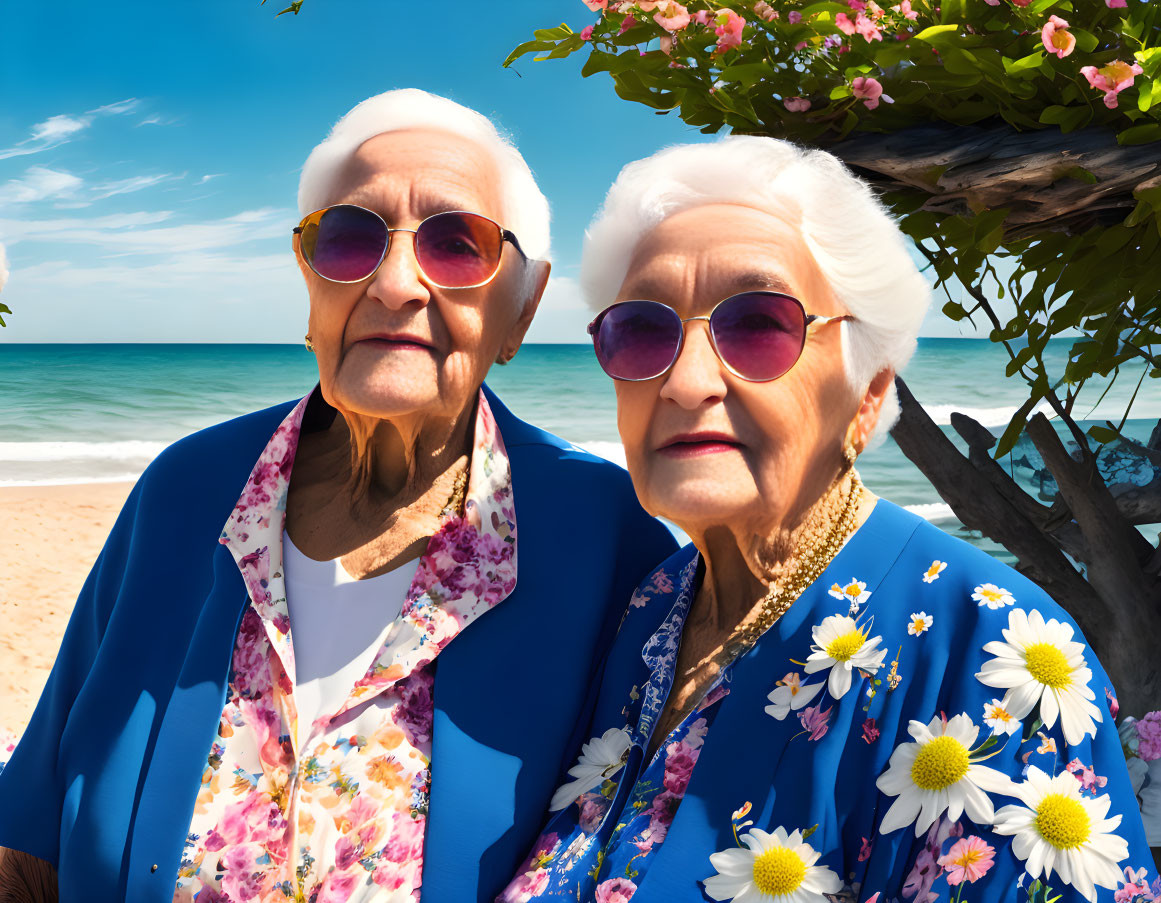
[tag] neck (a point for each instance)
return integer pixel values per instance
(395, 464)
(741, 568)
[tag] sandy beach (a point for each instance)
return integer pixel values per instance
(50, 537)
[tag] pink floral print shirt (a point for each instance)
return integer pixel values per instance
(336, 810)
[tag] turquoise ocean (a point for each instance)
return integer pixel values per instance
(83, 413)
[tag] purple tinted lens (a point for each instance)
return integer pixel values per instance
(457, 250)
(759, 334)
(638, 339)
(347, 244)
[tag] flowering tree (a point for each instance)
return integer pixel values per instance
(1018, 142)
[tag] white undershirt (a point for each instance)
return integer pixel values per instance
(337, 624)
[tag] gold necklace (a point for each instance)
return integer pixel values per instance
(786, 591)
(455, 502)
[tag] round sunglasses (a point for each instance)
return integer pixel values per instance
(759, 336)
(454, 249)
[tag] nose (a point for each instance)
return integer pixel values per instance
(399, 281)
(696, 377)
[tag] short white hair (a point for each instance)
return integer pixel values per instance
(525, 207)
(850, 233)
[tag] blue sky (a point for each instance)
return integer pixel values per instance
(149, 152)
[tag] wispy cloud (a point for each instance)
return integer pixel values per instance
(58, 129)
(139, 233)
(208, 176)
(158, 119)
(3, 268)
(38, 184)
(130, 185)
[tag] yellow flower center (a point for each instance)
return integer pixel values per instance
(778, 871)
(991, 595)
(852, 590)
(939, 763)
(1062, 821)
(999, 714)
(1048, 665)
(841, 648)
(919, 623)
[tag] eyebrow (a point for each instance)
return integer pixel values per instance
(428, 206)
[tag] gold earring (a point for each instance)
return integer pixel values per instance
(309, 344)
(849, 454)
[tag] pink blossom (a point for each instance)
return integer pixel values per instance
(844, 23)
(1089, 779)
(870, 732)
(662, 582)
(596, 5)
(729, 29)
(865, 850)
(797, 104)
(802, 45)
(815, 720)
(587, 33)
(857, 5)
(671, 16)
(1149, 737)
(1134, 887)
(764, 10)
(1112, 79)
(794, 17)
(1017, 2)
(908, 13)
(1114, 706)
(1056, 37)
(1116, 4)
(917, 884)
(680, 758)
(867, 28)
(992, 2)
(615, 890)
(869, 91)
(627, 23)
(703, 17)
(968, 860)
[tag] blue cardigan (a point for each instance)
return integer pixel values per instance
(103, 783)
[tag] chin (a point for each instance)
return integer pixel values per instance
(695, 501)
(387, 389)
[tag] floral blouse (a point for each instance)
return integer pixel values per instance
(335, 810)
(932, 730)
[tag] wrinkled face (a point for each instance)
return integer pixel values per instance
(394, 345)
(706, 448)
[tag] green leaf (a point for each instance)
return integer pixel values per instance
(1148, 91)
(1103, 434)
(939, 35)
(1086, 41)
(1016, 426)
(1024, 64)
(1140, 134)
(955, 311)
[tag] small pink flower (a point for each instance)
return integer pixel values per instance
(671, 16)
(1056, 37)
(703, 17)
(596, 5)
(870, 732)
(1134, 887)
(627, 23)
(868, 29)
(1149, 737)
(815, 720)
(1112, 79)
(794, 17)
(869, 91)
(865, 851)
(1114, 706)
(908, 13)
(797, 104)
(587, 33)
(844, 23)
(992, 2)
(968, 860)
(1116, 4)
(802, 45)
(615, 890)
(857, 5)
(729, 29)
(1017, 2)
(1089, 779)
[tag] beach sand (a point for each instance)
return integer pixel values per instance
(50, 538)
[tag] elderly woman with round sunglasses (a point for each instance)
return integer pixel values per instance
(823, 697)
(337, 650)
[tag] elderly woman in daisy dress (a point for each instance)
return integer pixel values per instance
(822, 697)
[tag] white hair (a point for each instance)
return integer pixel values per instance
(525, 207)
(858, 247)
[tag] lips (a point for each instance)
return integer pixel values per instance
(687, 445)
(400, 341)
